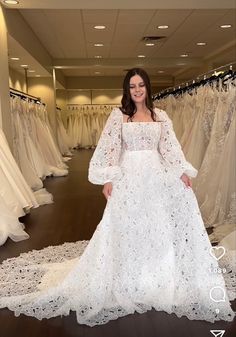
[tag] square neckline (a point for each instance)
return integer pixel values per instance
(153, 122)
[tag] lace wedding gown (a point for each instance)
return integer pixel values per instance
(150, 250)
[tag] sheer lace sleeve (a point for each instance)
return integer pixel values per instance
(104, 164)
(170, 148)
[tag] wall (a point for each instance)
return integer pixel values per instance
(94, 96)
(5, 117)
(17, 80)
(42, 87)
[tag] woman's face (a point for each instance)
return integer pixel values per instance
(137, 88)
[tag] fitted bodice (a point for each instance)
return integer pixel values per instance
(137, 136)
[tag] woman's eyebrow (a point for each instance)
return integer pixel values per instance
(137, 83)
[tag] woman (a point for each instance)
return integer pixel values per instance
(150, 249)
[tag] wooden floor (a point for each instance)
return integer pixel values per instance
(77, 209)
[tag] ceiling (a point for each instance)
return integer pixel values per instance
(69, 36)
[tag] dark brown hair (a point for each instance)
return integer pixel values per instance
(128, 106)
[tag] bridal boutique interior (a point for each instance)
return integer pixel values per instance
(62, 64)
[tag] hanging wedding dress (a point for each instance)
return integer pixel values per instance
(194, 145)
(213, 206)
(27, 159)
(9, 225)
(63, 138)
(13, 188)
(150, 250)
(20, 151)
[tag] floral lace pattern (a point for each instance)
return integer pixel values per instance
(150, 250)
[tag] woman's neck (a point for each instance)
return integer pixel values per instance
(141, 109)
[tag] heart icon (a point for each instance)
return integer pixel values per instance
(217, 252)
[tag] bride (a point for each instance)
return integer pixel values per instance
(150, 250)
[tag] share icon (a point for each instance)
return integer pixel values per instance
(218, 333)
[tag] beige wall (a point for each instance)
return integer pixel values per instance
(42, 87)
(5, 116)
(61, 98)
(104, 82)
(17, 80)
(94, 96)
(19, 29)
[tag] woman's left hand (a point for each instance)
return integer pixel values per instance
(186, 180)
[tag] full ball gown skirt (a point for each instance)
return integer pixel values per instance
(150, 250)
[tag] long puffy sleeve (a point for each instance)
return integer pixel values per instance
(170, 148)
(104, 164)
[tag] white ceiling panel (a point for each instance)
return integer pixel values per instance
(124, 4)
(99, 17)
(135, 16)
(172, 18)
(96, 36)
(70, 34)
(129, 32)
(76, 72)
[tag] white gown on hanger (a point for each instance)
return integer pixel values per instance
(210, 203)
(150, 249)
(17, 194)
(9, 225)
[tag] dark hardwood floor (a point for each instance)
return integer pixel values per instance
(77, 209)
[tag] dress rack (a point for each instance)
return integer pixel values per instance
(21, 94)
(197, 81)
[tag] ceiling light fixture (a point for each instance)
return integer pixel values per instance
(150, 44)
(99, 27)
(141, 56)
(163, 27)
(11, 2)
(37, 75)
(160, 71)
(201, 43)
(98, 56)
(98, 45)
(226, 26)
(31, 71)
(184, 55)
(24, 65)
(97, 72)
(15, 58)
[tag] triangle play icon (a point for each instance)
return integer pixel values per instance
(218, 333)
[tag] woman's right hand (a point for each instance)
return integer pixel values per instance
(107, 189)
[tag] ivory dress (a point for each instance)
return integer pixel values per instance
(150, 250)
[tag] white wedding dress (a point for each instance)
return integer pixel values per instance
(150, 250)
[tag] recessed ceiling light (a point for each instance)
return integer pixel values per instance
(11, 2)
(163, 27)
(150, 44)
(141, 56)
(184, 55)
(24, 65)
(99, 27)
(201, 43)
(15, 58)
(160, 71)
(226, 26)
(98, 44)
(31, 71)
(98, 56)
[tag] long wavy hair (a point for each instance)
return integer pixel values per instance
(128, 106)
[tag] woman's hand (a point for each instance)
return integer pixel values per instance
(186, 180)
(107, 189)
